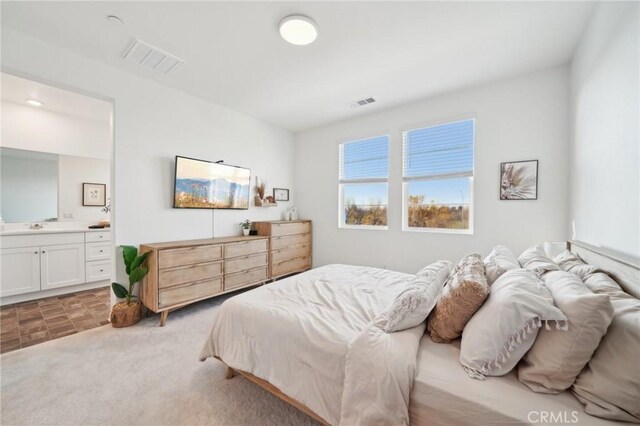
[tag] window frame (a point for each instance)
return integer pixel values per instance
(406, 180)
(361, 181)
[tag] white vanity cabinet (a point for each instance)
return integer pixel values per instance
(36, 262)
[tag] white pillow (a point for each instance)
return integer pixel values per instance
(535, 259)
(499, 261)
(556, 358)
(568, 261)
(505, 327)
(412, 306)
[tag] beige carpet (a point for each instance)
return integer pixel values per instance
(142, 375)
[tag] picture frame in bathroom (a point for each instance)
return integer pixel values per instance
(94, 194)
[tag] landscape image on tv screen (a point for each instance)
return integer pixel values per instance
(206, 185)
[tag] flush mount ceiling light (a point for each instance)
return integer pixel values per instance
(115, 19)
(34, 102)
(298, 30)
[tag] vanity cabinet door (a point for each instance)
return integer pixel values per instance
(62, 265)
(20, 270)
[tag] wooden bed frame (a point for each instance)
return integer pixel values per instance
(624, 269)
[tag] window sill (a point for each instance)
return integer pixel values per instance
(439, 230)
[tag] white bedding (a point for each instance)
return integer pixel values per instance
(312, 337)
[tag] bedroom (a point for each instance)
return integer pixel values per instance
(555, 83)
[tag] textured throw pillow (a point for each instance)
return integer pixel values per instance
(535, 259)
(465, 291)
(609, 386)
(412, 306)
(504, 329)
(499, 261)
(570, 262)
(557, 357)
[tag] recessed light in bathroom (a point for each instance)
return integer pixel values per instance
(34, 102)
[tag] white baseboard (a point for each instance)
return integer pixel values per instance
(9, 300)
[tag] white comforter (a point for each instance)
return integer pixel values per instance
(312, 336)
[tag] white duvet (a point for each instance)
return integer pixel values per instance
(312, 336)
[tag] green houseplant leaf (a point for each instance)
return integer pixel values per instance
(139, 260)
(137, 274)
(119, 290)
(129, 254)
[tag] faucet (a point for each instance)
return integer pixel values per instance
(36, 226)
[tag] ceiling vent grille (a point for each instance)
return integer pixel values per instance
(151, 57)
(362, 102)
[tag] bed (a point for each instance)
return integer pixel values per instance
(310, 340)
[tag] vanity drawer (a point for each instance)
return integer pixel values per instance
(188, 256)
(290, 266)
(292, 252)
(246, 262)
(186, 274)
(97, 236)
(278, 243)
(97, 251)
(39, 240)
(242, 279)
(245, 247)
(98, 271)
(185, 293)
(280, 229)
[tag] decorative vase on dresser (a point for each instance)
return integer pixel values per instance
(289, 246)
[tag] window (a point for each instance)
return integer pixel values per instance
(438, 177)
(363, 187)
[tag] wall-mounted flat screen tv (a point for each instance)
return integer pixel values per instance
(201, 184)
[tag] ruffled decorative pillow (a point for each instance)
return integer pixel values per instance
(413, 304)
(556, 358)
(506, 326)
(463, 294)
(535, 259)
(499, 261)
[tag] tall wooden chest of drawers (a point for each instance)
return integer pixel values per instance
(183, 272)
(289, 245)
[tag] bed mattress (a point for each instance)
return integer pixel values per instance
(443, 394)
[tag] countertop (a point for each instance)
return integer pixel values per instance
(52, 230)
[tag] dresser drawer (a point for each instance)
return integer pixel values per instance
(292, 252)
(245, 247)
(188, 256)
(245, 262)
(186, 274)
(278, 243)
(98, 271)
(182, 294)
(290, 266)
(242, 279)
(97, 251)
(97, 236)
(280, 229)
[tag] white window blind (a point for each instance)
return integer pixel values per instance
(439, 151)
(365, 160)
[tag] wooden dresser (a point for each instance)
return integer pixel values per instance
(289, 245)
(183, 272)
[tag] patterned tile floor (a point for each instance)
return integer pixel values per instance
(29, 323)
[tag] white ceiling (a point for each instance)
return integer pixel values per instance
(18, 90)
(397, 52)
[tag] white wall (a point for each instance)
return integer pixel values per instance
(153, 123)
(72, 173)
(33, 129)
(605, 151)
(520, 119)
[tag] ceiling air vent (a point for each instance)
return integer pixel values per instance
(362, 102)
(151, 57)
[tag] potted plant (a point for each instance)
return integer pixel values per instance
(129, 312)
(246, 227)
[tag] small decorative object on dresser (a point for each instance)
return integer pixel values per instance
(281, 194)
(94, 194)
(246, 227)
(183, 272)
(289, 246)
(519, 180)
(125, 314)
